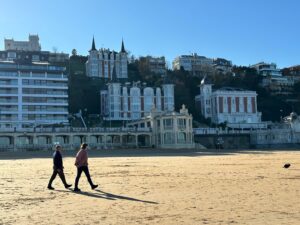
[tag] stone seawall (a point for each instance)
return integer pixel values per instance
(226, 141)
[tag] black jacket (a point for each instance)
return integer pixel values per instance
(57, 160)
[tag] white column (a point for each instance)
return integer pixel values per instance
(19, 102)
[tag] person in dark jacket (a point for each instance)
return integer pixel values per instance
(58, 168)
(81, 163)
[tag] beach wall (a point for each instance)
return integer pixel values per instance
(226, 141)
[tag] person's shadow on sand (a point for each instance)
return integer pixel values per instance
(108, 196)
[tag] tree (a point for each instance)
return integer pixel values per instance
(74, 52)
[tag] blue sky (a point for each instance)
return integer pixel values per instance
(244, 31)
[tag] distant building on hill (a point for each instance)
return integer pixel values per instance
(29, 51)
(31, 45)
(125, 102)
(153, 64)
(101, 63)
(234, 106)
(201, 65)
(273, 79)
(222, 65)
(195, 64)
(292, 72)
(267, 69)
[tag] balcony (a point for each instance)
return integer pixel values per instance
(46, 112)
(50, 103)
(46, 95)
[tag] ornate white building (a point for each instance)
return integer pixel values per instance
(101, 63)
(236, 107)
(132, 103)
(169, 129)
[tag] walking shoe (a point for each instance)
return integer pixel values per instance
(50, 188)
(68, 185)
(94, 186)
(77, 190)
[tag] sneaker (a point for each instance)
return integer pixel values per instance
(50, 188)
(77, 190)
(94, 186)
(68, 185)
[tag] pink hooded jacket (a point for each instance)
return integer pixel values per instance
(81, 158)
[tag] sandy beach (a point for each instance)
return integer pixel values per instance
(232, 188)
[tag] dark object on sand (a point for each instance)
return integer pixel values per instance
(287, 165)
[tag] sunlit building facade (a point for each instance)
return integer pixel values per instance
(132, 102)
(32, 95)
(101, 63)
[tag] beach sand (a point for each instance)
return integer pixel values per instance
(232, 188)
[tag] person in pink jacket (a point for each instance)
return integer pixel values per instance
(82, 165)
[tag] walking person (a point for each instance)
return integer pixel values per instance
(82, 165)
(58, 168)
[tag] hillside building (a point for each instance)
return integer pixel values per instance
(222, 65)
(153, 64)
(31, 45)
(236, 107)
(195, 64)
(101, 63)
(125, 102)
(29, 51)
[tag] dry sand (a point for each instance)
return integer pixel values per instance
(247, 188)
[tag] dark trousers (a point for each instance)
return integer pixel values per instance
(61, 174)
(85, 169)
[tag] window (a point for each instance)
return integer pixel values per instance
(12, 55)
(25, 82)
(31, 117)
(168, 123)
(35, 58)
(181, 123)
(181, 137)
(158, 123)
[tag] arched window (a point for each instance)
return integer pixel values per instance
(181, 137)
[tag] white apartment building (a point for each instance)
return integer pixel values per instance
(124, 102)
(272, 78)
(101, 63)
(267, 69)
(192, 63)
(236, 107)
(31, 45)
(32, 95)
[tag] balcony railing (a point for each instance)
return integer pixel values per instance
(76, 130)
